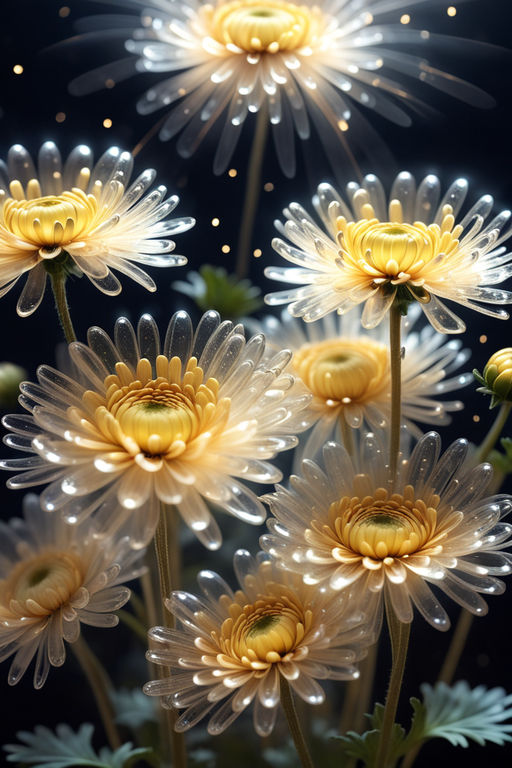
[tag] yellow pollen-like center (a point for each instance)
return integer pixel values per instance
(262, 25)
(343, 371)
(39, 585)
(263, 632)
(158, 415)
(50, 222)
(380, 526)
(395, 251)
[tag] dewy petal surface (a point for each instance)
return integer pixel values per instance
(346, 524)
(138, 427)
(410, 250)
(302, 63)
(234, 646)
(84, 217)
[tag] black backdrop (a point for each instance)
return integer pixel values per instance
(459, 140)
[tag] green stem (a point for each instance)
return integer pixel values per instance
(252, 193)
(494, 432)
(134, 624)
(58, 281)
(358, 696)
(100, 686)
(167, 550)
(293, 724)
(395, 361)
(346, 434)
(457, 644)
(399, 634)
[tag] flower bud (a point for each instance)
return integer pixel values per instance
(11, 376)
(497, 377)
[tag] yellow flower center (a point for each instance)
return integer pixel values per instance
(395, 251)
(39, 585)
(262, 25)
(343, 371)
(265, 632)
(158, 415)
(380, 527)
(50, 222)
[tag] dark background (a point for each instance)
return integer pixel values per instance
(457, 140)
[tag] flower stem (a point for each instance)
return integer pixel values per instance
(358, 696)
(399, 634)
(395, 360)
(58, 281)
(167, 550)
(252, 193)
(494, 432)
(346, 434)
(293, 724)
(100, 685)
(133, 623)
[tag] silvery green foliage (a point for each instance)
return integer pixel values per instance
(459, 713)
(213, 288)
(133, 708)
(65, 748)
(456, 713)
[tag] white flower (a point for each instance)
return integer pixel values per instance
(411, 248)
(54, 577)
(82, 215)
(301, 63)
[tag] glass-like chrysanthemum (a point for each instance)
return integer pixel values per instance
(301, 62)
(412, 249)
(53, 577)
(347, 525)
(148, 423)
(346, 370)
(233, 647)
(81, 215)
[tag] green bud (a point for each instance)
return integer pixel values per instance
(496, 377)
(11, 376)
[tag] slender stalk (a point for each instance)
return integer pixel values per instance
(395, 359)
(168, 559)
(148, 136)
(399, 634)
(58, 281)
(346, 433)
(494, 432)
(134, 624)
(100, 684)
(293, 724)
(358, 697)
(252, 193)
(457, 644)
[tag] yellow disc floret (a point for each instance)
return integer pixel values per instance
(39, 585)
(50, 222)
(343, 371)
(262, 25)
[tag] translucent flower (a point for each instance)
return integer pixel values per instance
(81, 216)
(53, 577)
(346, 370)
(299, 62)
(347, 525)
(233, 647)
(150, 423)
(410, 249)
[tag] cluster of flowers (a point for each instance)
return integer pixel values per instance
(134, 425)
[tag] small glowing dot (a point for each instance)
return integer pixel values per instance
(405, 19)
(57, 175)
(343, 125)
(451, 10)
(257, 253)
(64, 11)
(107, 123)
(17, 69)
(476, 418)
(424, 34)
(182, 91)
(60, 117)
(225, 249)
(268, 187)
(215, 222)
(109, 83)
(482, 339)
(232, 172)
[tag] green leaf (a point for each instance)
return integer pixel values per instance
(213, 288)
(461, 714)
(65, 748)
(364, 746)
(133, 708)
